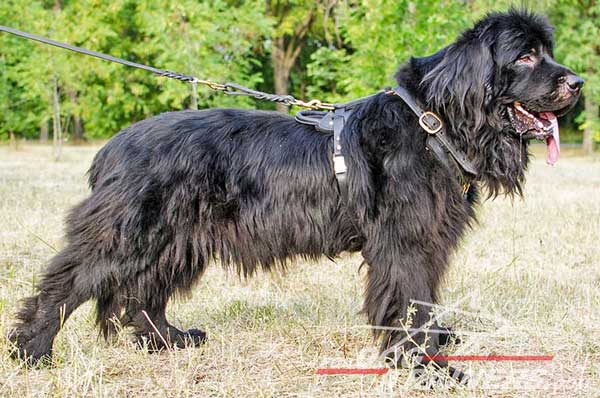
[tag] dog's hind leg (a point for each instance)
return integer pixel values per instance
(61, 290)
(107, 312)
(147, 316)
(151, 329)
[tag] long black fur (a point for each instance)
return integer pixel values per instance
(252, 190)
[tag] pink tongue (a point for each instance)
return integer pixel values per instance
(552, 142)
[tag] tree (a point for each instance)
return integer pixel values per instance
(213, 40)
(293, 21)
(577, 46)
(326, 49)
(378, 36)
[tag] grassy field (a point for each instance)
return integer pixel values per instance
(526, 281)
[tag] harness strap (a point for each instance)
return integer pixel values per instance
(333, 122)
(438, 141)
(340, 116)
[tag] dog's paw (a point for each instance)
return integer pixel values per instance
(193, 337)
(155, 343)
(33, 350)
(446, 336)
(434, 377)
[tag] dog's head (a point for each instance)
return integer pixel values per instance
(501, 77)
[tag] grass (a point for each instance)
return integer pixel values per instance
(527, 278)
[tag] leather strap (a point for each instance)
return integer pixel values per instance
(340, 116)
(333, 122)
(438, 141)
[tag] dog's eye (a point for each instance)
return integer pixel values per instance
(528, 59)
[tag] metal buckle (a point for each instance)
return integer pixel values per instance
(432, 127)
(466, 187)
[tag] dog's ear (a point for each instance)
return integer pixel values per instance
(460, 86)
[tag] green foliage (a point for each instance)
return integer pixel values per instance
(18, 105)
(208, 39)
(350, 49)
(326, 70)
(578, 31)
(385, 33)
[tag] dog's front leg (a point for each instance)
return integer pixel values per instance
(400, 280)
(397, 280)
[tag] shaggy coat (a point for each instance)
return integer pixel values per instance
(253, 190)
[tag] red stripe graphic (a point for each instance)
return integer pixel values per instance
(382, 371)
(491, 358)
(352, 371)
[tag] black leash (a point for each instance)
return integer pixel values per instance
(331, 122)
(159, 72)
(227, 88)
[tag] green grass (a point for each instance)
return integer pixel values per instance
(528, 276)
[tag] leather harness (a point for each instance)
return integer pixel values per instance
(437, 141)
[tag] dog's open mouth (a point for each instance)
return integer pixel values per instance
(539, 125)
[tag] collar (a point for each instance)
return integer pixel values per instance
(438, 141)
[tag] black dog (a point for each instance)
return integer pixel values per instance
(254, 189)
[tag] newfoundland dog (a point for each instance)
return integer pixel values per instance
(252, 190)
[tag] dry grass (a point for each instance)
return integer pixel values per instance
(529, 275)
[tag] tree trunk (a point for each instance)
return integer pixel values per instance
(591, 115)
(281, 72)
(12, 140)
(56, 128)
(77, 123)
(284, 54)
(194, 96)
(78, 132)
(44, 131)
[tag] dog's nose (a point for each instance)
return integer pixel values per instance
(573, 82)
